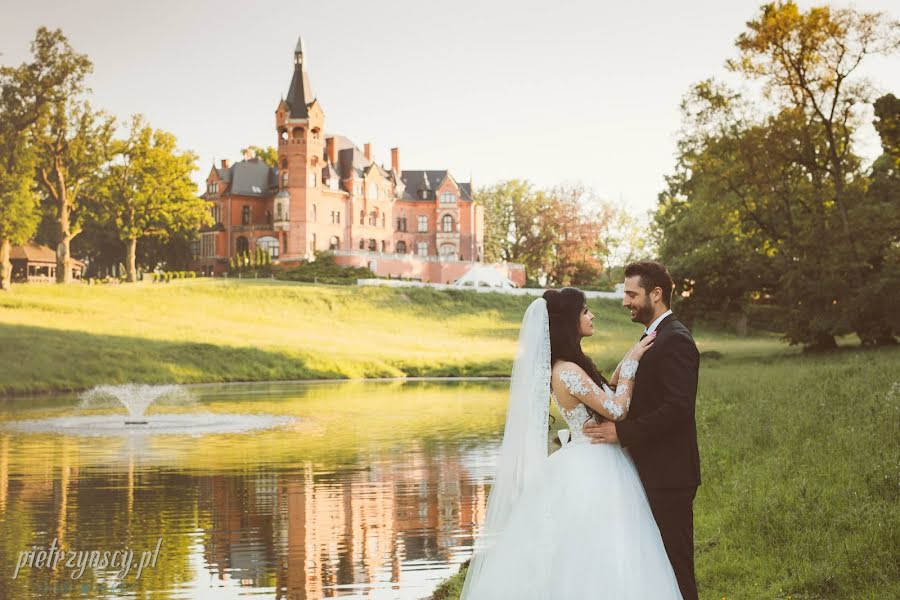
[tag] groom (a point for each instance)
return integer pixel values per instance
(660, 431)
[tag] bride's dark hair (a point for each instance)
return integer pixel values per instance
(564, 308)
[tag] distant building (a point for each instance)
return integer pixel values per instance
(327, 194)
(32, 263)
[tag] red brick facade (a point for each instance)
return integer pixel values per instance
(327, 194)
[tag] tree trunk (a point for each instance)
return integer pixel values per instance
(63, 262)
(131, 252)
(742, 324)
(5, 265)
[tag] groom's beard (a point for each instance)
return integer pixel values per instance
(644, 314)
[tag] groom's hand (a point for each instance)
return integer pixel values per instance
(601, 433)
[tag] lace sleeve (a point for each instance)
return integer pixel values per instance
(613, 406)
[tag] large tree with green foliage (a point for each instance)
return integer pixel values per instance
(72, 141)
(26, 93)
(18, 201)
(557, 233)
(772, 204)
(147, 190)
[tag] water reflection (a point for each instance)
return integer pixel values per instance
(373, 491)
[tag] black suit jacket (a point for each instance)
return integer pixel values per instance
(660, 430)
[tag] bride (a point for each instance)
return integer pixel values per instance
(574, 525)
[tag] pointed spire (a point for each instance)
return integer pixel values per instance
(300, 93)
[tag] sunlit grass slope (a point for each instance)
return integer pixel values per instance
(73, 337)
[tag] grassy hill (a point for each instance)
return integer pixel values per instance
(187, 331)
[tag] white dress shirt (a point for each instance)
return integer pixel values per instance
(656, 323)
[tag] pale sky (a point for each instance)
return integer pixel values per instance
(552, 92)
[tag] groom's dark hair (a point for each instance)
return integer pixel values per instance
(653, 275)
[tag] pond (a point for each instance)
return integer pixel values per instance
(358, 490)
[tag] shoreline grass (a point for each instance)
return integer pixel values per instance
(69, 338)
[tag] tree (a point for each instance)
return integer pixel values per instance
(515, 216)
(576, 218)
(147, 190)
(25, 94)
(876, 300)
(70, 136)
(268, 155)
(807, 62)
(18, 202)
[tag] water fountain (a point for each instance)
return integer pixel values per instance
(136, 399)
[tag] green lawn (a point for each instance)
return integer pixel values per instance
(73, 337)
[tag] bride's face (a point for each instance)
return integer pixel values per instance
(587, 322)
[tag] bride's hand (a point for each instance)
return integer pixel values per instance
(641, 347)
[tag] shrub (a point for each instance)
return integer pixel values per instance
(325, 270)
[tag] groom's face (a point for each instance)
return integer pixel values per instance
(637, 301)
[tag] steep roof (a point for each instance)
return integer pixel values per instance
(300, 95)
(252, 178)
(36, 253)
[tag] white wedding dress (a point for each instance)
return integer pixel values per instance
(577, 524)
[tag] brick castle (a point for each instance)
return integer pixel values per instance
(327, 194)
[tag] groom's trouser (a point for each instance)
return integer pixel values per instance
(673, 510)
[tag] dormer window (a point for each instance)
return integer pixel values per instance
(448, 198)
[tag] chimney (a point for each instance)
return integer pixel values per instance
(367, 148)
(331, 150)
(395, 161)
(224, 163)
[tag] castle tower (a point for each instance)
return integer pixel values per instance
(300, 123)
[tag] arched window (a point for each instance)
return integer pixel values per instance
(373, 218)
(422, 248)
(269, 244)
(362, 217)
(447, 224)
(362, 244)
(373, 245)
(245, 215)
(284, 163)
(297, 134)
(448, 250)
(243, 246)
(401, 247)
(334, 243)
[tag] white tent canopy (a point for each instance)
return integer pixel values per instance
(484, 276)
